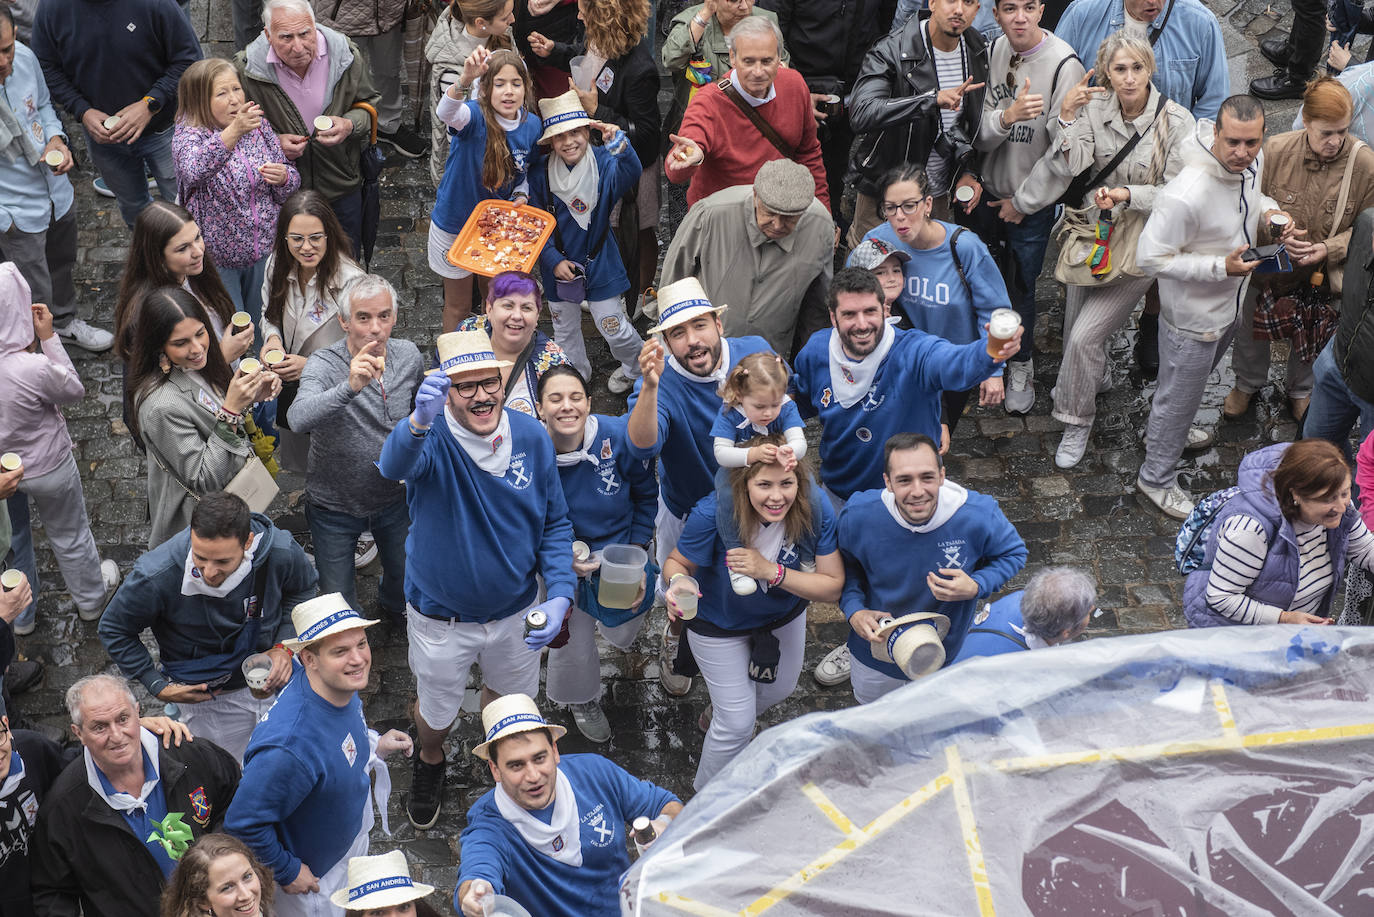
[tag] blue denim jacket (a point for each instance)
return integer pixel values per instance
(32, 195)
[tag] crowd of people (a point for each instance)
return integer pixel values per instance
(871, 193)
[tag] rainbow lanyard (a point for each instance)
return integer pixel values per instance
(1100, 255)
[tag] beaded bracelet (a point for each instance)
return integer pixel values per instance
(777, 580)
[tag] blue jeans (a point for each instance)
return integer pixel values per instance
(1028, 241)
(245, 288)
(1334, 408)
(21, 551)
(125, 168)
(335, 536)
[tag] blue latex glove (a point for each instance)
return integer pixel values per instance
(430, 398)
(557, 610)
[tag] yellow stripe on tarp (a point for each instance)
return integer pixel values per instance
(828, 808)
(1322, 734)
(972, 846)
(688, 906)
(1223, 708)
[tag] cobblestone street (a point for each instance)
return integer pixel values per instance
(1088, 516)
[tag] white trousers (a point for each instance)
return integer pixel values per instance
(870, 684)
(227, 720)
(574, 670)
(317, 904)
(441, 653)
(736, 700)
(614, 325)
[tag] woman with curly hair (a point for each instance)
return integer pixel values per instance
(218, 877)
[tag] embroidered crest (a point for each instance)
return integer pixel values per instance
(521, 405)
(131, 27)
(29, 106)
(317, 312)
(577, 205)
(557, 843)
(605, 79)
(606, 448)
(521, 159)
(207, 401)
(848, 376)
(200, 807)
(872, 400)
(496, 443)
(610, 324)
(610, 485)
(951, 552)
(825, 398)
(29, 806)
(864, 434)
(195, 572)
(603, 832)
(516, 475)
(982, 615)
(350, 749)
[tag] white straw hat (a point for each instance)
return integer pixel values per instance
(508, 715)
(682, 301)
(916, 649)
(320, 617)
(464, 351)
(379, 881)
(561, 114)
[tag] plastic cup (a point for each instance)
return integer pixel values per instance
(501, 906)
(1001, 329)
(10, 580)
(11, 461)
(686, 595)
(256, 670)
(53, 158)
(832, 105)
(581, 552)
(622, 569)
(248, 366)
(240, 321)
(323, 122)
(273, 357)
(963, 194)
(583, 68)
(1277, 224)
(111, 122)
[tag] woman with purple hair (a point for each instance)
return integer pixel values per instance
(512, 313)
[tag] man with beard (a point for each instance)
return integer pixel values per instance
(488, 517)
(869, 381)
(919, 523)
(672, 408)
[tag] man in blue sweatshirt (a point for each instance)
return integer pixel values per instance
(921, 543)
(672, 408)
(213, 594)
(311, 763)
(114, 65)
(488, 517)
(868, 381)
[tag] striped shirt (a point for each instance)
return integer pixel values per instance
(949, 73)
(1241, 548)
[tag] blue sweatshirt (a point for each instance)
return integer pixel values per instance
(720, 605)
(1003, 618)
(461, 188)
(608, 798)
(476, 541)
(687, 409)
(905, 398)
(108, 54)
(307, 766)
(618, 171)
(615, 500)
(885, 564)
(727, 425)
(935, 300)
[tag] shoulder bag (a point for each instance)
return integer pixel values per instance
(253, 483)
(769, 133)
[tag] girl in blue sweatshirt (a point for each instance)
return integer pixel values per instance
(754, 403)
(492, 144)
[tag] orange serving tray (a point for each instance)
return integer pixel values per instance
(473, 250)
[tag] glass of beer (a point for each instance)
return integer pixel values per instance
(1001, 329)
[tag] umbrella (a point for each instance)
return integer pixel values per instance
(371, 166)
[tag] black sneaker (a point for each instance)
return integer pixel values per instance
(23, 674)
(405, 142)
(426, 793)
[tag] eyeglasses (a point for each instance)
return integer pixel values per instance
(4, 733)
(491, 385)
(907, 207)
(1011, 73)
(316, 239)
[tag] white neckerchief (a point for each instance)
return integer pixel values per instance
(747, 424)
(754, 101)
(192, 583)
(768, 542)
(717, 375)
(1032, 641)
(568, 459)
(16, 773)
(576, 185)
(563, 830)
(851, 379)
(947, 501)
(491, 453)
(123, 802)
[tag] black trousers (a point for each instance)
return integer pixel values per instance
(1307, 40)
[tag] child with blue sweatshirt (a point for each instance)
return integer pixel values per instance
(492, 144)
(754, 403)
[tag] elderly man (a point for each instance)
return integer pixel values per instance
(920, 543)
(488, 518)
(1055, 607)
(346, 396)
(299, 71)
(919, 99)
(671, 413)
(765, 250)
(114, 65)
(213, 595)
(119, 817)
(551, 834)
(759, 112)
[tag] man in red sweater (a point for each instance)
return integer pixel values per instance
(719, 146)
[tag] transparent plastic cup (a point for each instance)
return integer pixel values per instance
(684, 590)
(501, 906)
(622, 568)
(256, 670)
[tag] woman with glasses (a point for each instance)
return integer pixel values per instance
(510, 320)
(308, 268)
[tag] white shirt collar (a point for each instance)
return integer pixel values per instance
(754, 101)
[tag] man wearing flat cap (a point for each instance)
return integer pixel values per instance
(764, 250)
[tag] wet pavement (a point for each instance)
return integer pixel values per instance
(1087, 516)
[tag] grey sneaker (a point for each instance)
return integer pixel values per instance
(1073, 445)
(620, 382)
(109, 575)
(675, 684)
(591, 721)
(365, 552)
(1171, 500)
(1020, 395)
(87, 337)
(834, 668)
(1198, 438)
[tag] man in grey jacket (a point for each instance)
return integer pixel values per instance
(213, 594)
(351, 396)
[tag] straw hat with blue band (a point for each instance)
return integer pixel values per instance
(682, 301)
(321, 617)
(916, 650)
(464, 351)
(508, 715)
(561, 114)
(376, 882)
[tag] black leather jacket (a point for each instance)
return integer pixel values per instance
(1353, 346)
(895, 111)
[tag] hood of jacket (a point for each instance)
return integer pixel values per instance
(340, 59)
(447, 44)
(16, 316)
(1198, 152)
(1253, 478)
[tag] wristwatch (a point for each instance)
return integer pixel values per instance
(153, 104)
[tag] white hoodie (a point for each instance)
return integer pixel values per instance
(1200, 217)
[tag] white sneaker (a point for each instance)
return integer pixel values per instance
(675, 684)
(1198, 438)
(365, 551)
(1171, 500)
(87, 337)
(1105, 383)
(620, 382)
(1073, 445)
(743, 585)
(834, 668)
(109, 576)
(1020, 395)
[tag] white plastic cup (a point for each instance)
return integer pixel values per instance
(622, 569)
(583, 68)
(10, 580)
(240, 321)
(685, 590)
(11, 461)
(323, 123)
(248, 366)
(273, 357)
(257, 668)
(581, 552)
(963, 194)
(1002, 327)
(1277, 224)
(111, 122)
(53, 158)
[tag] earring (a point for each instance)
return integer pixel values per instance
(164, 364)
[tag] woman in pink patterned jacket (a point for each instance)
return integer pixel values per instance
(232, 175)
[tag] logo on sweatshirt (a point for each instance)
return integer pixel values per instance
(872, 400)
(515, 475)
(604, 833)
(606, 452)
(577, 205)
(200, 807)
(610, 484)
(350, 749)
(825, 398)
(864, 434)
(953, 560)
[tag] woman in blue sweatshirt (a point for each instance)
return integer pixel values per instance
(612, 499)
(749, 648)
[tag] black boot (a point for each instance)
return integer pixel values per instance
(1147, 346)
(1277, 51)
